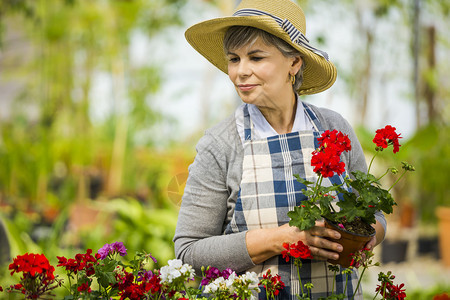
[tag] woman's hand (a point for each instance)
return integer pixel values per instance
(263, 244)
(315, 237)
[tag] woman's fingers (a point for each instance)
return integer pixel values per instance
(316, 238)
(371, 244)
(320, 246)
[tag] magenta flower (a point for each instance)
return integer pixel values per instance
(116, 247)
(104, 251)
(226, 273)
(211, 273)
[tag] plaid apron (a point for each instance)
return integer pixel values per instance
(269, 190)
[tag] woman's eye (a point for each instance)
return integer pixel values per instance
(233, 59)
(256, 58)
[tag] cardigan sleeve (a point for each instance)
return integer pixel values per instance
(205, 209)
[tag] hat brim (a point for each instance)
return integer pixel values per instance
(207, 38)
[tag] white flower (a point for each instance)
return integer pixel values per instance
(251, 277)
(176, 269)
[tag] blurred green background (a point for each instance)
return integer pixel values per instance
(83, 166)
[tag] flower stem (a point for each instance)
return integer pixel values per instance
(400, 177)
(299, 278)
(387, 171)
(371, 161)
(318, 184)
(359, 282)
(346, 282)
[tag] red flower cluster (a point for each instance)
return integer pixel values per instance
(326, 160)
(298, 250)
(361, 258)
(37, 275)
(32, 263)
(81, 262)
(129, 288)
(272, 284)
(391, 291)
(335, 139)
(387, 136)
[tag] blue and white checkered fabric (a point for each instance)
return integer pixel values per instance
(269, 190)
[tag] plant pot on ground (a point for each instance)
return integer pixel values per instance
(443, 214)
(394, 251)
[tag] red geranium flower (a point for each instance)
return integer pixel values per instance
(272, 284)
(81, 262)
(37, 278)
(387, 136)
(336, 139)
(84, 287)
(326, 160)
(391, 291)
(299, 250)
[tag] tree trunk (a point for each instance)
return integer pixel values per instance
(429, 90)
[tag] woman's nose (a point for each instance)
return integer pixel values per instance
(244, 68)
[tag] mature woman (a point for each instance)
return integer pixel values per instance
(241, 184)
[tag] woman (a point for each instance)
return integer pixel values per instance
(241, 184)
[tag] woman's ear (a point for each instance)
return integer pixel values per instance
(296, 64)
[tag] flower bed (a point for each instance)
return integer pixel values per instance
(105, 275)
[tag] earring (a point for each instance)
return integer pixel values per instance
(292, 79)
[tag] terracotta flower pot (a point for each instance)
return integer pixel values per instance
(350, 242)
(443, 214)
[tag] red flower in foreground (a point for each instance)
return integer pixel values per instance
(391, 291)
(81, 262)
(84, 287)
(298, 250)
(387, 136)
(37, 278)
(272, 284)
(33, 265)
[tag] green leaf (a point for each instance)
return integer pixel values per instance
(304, 217)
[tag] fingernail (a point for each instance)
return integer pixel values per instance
(339, 248)
(337, 236)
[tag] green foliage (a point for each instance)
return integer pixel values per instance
(305, 215)
(428, 188)
(430, 292)
(370, 197)
(138, 227)
(54, 158)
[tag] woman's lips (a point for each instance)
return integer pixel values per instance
(246, 87)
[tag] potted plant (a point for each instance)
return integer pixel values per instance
(359, 197)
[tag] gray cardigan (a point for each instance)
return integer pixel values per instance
(212, 189)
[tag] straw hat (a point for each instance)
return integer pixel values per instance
(282, 18)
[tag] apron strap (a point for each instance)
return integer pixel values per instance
(247, 124)
(244, 117)
(312, 117)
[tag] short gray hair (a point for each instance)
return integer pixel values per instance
(238, 36)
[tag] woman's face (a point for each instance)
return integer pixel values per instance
(261, 74)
